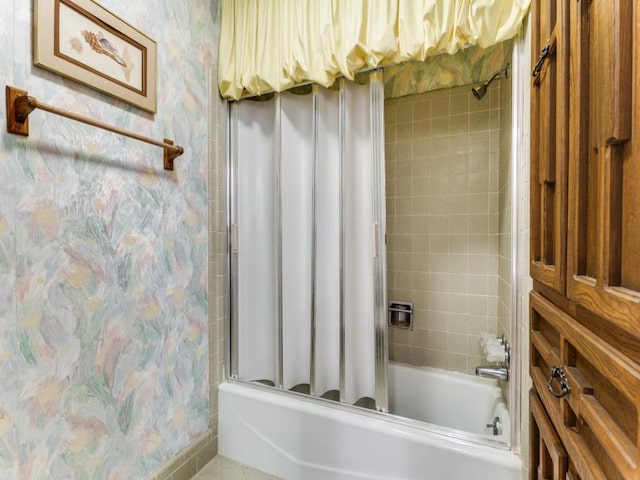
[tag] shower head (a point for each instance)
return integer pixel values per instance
(480, 90)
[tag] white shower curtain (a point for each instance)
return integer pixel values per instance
(358, 223)
(302, 205)
(296, 142)
(327, 294)
(254, 142)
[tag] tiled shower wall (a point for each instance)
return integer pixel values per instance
(443, 223)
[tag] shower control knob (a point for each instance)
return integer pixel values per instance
(496, 426)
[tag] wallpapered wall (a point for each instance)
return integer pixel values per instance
(471, 65)
(103, 261)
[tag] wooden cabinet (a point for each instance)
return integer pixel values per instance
(604, 167)
(549, 141)
(585, 239)
(598, 419)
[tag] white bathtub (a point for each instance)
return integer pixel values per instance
(299, 439)
(449, 399)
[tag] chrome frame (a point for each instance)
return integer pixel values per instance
(314, 242)
(277, 154)
(232, 264)
(520, 61)
(514, 374)
(224, 206)
(341, 140)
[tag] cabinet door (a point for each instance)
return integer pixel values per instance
(597, 418)
(549, 141)
(604, 173)
(548, 457)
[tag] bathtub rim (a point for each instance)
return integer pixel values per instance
(461, 436)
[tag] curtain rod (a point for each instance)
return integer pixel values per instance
(20, 105)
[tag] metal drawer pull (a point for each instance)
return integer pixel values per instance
(543, 54)
(557, 372)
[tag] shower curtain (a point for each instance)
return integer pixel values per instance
(307, 237)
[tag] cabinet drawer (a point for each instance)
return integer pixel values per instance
(548, 457)
(598, 419)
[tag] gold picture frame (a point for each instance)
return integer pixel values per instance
(81, 40)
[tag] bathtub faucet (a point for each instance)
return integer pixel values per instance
(497, 350)
(500, 373)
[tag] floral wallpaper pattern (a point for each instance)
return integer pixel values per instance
(103, 261)
(471, 65)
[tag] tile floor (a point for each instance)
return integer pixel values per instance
(222, 468)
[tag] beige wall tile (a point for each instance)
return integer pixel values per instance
(420, 129)
(404, 113)
(458, 103)
(421, 165)
(457, 343)
(438, 322)
(420, 338)
(420, 261)
(440, 145)
(437, 340)
(444, 223)
(439, 105)
(478, 142)
(479, 121)
(457, 323)
(420, 205)
(419, 356)
(459, 124)
(402, 354)
(421, 109)
(457, 362)
(477, 324)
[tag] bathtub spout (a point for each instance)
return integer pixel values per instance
(500, 373)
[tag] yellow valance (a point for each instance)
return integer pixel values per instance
(272, 45)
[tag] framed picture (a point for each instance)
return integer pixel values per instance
(81, 40)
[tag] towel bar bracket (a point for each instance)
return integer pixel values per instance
(17, 122)
(170, 154)
(20, 105)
